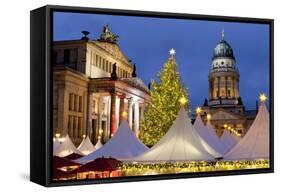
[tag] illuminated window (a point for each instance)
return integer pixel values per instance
(103, 64)
(94, 106)
(106, 68)
(228, 92)
(110, 67)
(97, 60)
(76, 100)
(70, 102)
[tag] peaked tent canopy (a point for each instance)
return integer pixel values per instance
(98, 144)
(209, 136)
(229, 140)
(255, 144)
(86, 147)
(124, 144)
(180, 143)
(66, 148)
(59, 162)
(56, 144)
(73, 156)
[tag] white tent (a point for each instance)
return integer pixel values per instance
(217, 142)
(86, 147)
(255, 144)
(66, 148)
(208, 134)
(229, 140)
(98, 144)
(124, 144)
(180, 143)
(56, 144)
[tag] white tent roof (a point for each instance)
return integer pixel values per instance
(66, 148)
(98, 144)
(217, 142)
(56, 144)
(86, 147)
(180, 143)
(255, 144)
(207, 133)
(229, 140)
(124, 144)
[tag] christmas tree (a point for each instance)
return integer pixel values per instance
(165, 103)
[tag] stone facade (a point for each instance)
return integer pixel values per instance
(93, 89)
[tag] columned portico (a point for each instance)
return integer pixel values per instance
(117, 97)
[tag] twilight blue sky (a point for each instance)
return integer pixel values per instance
(147, 41)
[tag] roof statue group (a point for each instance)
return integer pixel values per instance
(183, 142)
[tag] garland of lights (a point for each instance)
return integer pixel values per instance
(134, 169)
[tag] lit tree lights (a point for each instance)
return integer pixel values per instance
(167, 96)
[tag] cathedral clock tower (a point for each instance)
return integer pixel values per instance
(224, 105)
(224, 79)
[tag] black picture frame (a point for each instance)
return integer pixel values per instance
(41, 93)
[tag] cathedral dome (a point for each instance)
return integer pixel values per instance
(223, 49)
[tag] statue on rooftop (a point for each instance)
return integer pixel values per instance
(108, 36)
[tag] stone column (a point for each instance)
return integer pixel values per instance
(142, 111)
(219, 87)
(130, 112)
(85, 113)
(136, 118)
(81, 131)
(210, 89)
(112, 113)
(72, 101)
(76, 107)
(100, 114)
(63, 97)
(71, 126)
(108, 117)
(215, 88)
(235, 88)
(117, 111)
(226, 91)
(89, 131)
(76, 131)
(122, 107)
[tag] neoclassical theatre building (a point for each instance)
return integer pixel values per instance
(225, 104)
(94, 87)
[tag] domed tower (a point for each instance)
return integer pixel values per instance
(224, 79)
